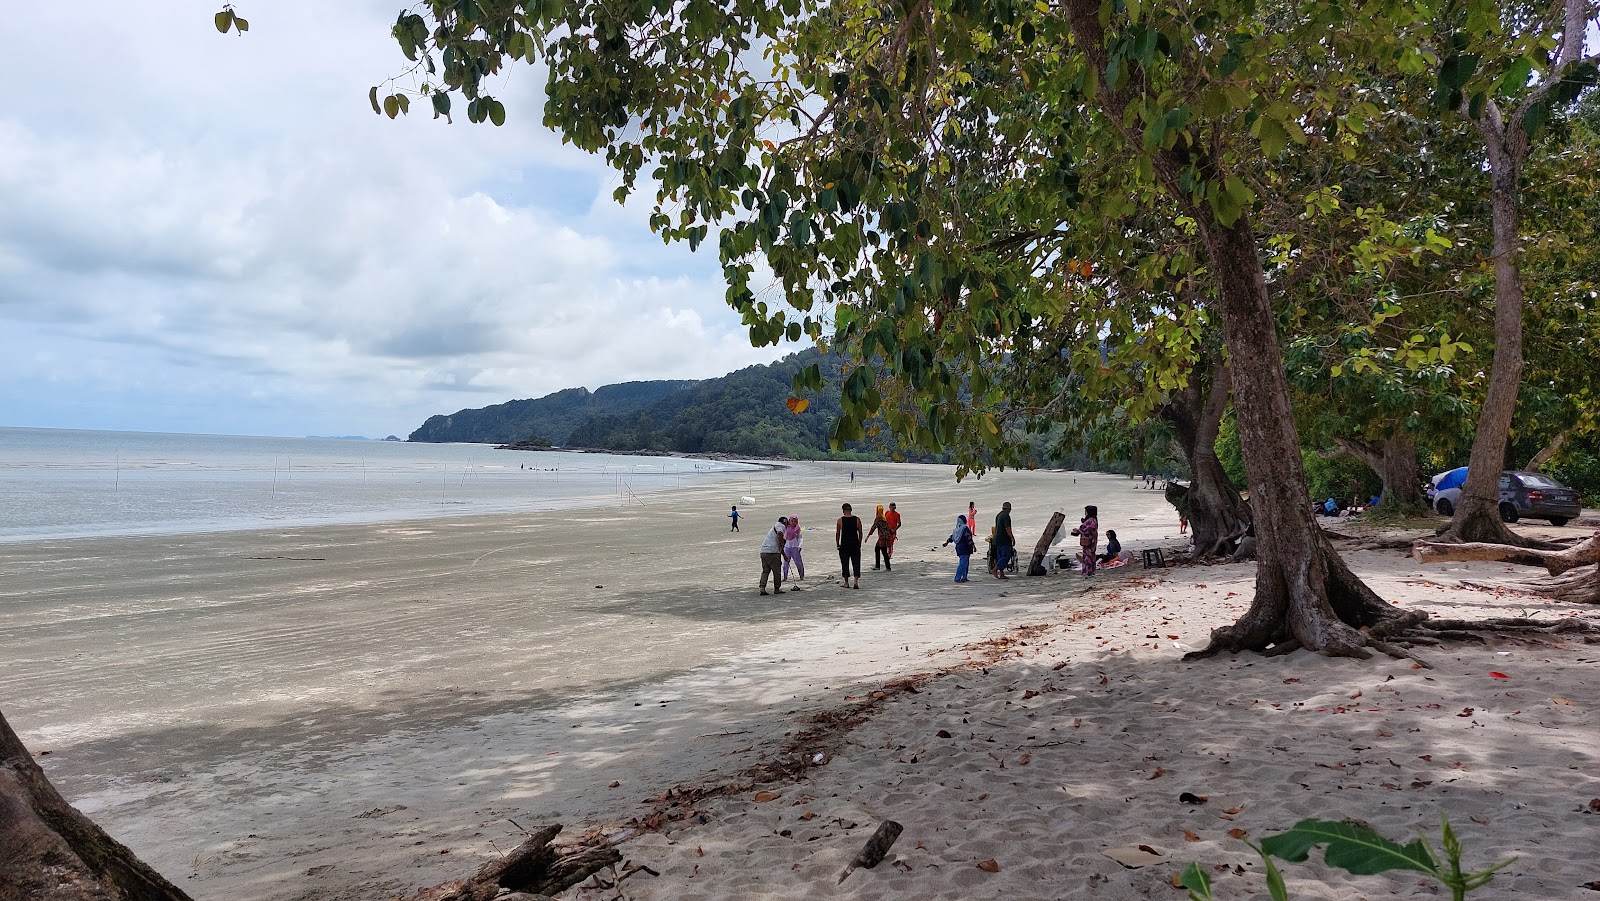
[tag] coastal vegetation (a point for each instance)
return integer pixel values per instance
(1039, 215)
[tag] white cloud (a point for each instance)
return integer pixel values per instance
(212, 233)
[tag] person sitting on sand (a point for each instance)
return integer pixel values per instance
(791, 548)
(772, 556)
(847, 536)
(1113, 547)
(962, 536)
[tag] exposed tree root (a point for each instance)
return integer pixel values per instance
(1581, 587)
(1487, 530)
(1556, 561)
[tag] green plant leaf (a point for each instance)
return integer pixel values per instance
(1355, 849)
(1197, 882)
(223, 20)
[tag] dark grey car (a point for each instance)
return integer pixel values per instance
(1536, 496)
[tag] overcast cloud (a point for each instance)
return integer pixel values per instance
(203, 233)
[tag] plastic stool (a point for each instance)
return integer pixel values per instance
(1152, 557)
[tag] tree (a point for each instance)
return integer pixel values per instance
(51, 852)
(870, 155)
(1530, 58)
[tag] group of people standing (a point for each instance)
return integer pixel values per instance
(782, 546)
(1002, 542)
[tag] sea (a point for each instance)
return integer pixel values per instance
(63, 483)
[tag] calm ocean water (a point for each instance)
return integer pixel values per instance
(57, 483)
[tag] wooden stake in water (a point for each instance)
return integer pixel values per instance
(117, 488)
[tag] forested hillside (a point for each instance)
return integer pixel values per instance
(553, 416)
(743, 412)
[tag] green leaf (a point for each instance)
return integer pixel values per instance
(1353, 848)
(391, 106)
(441, 103)
(1274, 138)
(1456, 70)
(497, 112)
(243, 25)
(1197, 882)
(372, 95)
(223, 20)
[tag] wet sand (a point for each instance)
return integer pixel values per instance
(355, 711)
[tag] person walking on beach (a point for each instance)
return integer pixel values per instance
(847, 535)
(893, 518)
(772, 556)
(735, 517)
(972, 516)
(885, 543)
(852, 477)
(791, 548)
(1088, 532)
(1005, 541)
(962, 536)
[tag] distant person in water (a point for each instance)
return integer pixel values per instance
(791, 548)
(965, 545)
(847, 536)
(885, 542)
(772, 556)
(735, 517)
(852, 477)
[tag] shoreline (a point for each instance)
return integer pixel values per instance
(197, 690)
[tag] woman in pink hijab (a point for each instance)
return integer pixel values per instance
(791, 548)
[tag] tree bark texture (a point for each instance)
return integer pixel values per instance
(1477, 514)
(1395, 462)
(1211, 502)
(51, 852)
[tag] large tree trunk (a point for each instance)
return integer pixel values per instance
(1211, 502)
(1395, 462)
(1477, 515)
(51, 852)
(1304, 592)
(1305, 595)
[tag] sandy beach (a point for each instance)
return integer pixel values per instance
(359, 711)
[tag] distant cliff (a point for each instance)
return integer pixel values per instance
(743, 412)
(554, 415)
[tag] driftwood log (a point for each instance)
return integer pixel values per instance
(534, 868)
(1036, 565)
(1580, 587)
(1555, 562)
(51, 852)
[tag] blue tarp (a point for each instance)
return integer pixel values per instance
(1452, 479)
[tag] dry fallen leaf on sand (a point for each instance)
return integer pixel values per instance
(989, 866)
(764, 796)
(1236, 832)
(1233, 810)
(1190, 836)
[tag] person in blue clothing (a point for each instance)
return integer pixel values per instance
(735, 517)
(962, 536)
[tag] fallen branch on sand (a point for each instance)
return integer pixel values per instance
(535, 867)
(1580, 587)
(1555, 562)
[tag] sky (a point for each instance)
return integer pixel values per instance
(215, 234)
